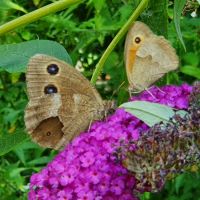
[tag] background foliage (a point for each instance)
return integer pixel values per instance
(85, 30)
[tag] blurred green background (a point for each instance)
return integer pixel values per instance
(85, 30)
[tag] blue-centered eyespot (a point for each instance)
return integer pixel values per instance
(52, 69)
(50, 89)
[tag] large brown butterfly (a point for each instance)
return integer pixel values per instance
(148, 57)
(62, 102)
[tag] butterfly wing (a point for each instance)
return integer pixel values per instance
(41, 120)
(154, 59)
(148, 57)
(138, 30)
(58, 96)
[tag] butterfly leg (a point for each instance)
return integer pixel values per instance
(131, 92)
(147, 89)
(90, 125)
(160, 90)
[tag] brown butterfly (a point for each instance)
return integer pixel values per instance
(62, 102)
(148, 57)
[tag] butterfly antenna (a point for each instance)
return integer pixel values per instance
(116, 90)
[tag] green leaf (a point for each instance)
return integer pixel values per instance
(178, 7)
(20, 154)
(10, 141)
(182, 113)
(147, 195)
(14, 57)
(98, 5)
(7, 4)
(40, 161)
(36, 2)
(191, 58)
(191, 71)
(156, 17)
(179, 182)
(149, 113)
(11, 116)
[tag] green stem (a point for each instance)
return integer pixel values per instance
(117, 38)
(37, 14)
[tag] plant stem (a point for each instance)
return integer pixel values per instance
(37, 14)
(117, 38)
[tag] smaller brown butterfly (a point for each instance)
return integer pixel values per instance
(148, 57)
(62, 102)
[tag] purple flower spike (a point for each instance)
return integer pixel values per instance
(87, 169)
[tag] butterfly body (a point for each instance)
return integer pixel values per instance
(147, 57)
(62, 102)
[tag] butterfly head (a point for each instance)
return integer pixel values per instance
(109, 107)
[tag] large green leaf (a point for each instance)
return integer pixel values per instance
(14, 57)
(178, 7)
(149, 113)
(9, 141)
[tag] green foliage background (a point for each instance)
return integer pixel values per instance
(85, 30)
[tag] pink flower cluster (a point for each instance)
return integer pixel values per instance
(86, 169)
